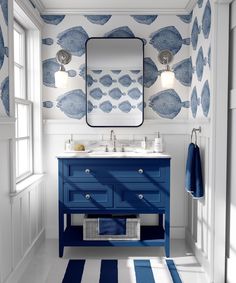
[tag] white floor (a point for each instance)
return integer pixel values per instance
(47, 255)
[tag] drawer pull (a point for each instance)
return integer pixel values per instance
(87, 196)
(140, 196)
(87, 171)
(140, 171)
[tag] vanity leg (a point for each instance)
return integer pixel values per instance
(167, 233)
(61, 232)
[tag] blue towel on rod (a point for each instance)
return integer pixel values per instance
(193, 177)
(112, 226)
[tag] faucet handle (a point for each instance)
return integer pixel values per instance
(106, 148)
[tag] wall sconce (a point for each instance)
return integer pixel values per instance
(61, 76)
(167, 75)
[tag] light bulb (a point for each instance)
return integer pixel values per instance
(167, 79)
(61, 79)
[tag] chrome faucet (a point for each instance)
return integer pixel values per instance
(113, 138)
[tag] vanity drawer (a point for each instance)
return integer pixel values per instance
(140, 195)
(116, 170)
(88, 195)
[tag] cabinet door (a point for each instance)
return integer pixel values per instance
(140, 195)
(88, 195)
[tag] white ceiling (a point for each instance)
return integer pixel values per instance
(115, 6)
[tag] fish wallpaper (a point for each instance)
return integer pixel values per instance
(4, 73)
(200, 52)
(187, 36)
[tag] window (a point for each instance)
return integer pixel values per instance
(23, 107)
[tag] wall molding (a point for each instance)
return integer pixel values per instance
(198, 253)
(26, 259)
(232, 99)
(43, 10)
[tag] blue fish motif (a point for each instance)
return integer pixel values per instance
(5, 95)
(135, 93)
(73, 40)
(97, 93)
(53, 19)
(47, 104)
(186, 18)
(107, 80)
(90, 80)
(184, 71)
(4, 6)
(97, 71)
(116, 71)
(98, 19)
(106, 106)
(50, 66)
(135, 71)
(200, 63)
(195, 101)
(125, 106)
(82, 71)
(209, 57)
(167, 103)
(205, 98)
(199, 3)
(3, 49)
(141, 106)
(150, 73)
(123, 31)
(168, 38)
(206, 20)
(140, 80)
(194, 33)
(116, 93)
(73, 103)
(126, 80)
(47, 41)
(144, 19)
(90, 106)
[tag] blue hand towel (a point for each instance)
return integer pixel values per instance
(193, 177)
(112, 226)
(199, 190)
(190, 172)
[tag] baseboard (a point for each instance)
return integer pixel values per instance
(231, 263)
(200, 256)
(20, 268)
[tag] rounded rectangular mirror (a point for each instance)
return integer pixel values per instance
(114, 82)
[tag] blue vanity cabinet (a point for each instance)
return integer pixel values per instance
(110, 186)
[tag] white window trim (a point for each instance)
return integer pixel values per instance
(33, 24)
(30, 137)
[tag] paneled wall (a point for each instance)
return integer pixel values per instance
(21, 215)
(231, 202)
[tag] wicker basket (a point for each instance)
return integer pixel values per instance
(91, 229)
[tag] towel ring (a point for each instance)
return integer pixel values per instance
(194, 131)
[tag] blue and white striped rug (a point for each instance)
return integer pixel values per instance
(156, 270)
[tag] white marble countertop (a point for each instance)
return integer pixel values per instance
(101, 154)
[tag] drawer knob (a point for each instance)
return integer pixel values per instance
(87, 171)
(140, 196)
(87, 196)
(140, 171)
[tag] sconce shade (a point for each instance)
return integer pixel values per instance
(61, 79)
(167, 79)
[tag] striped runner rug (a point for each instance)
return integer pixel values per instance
(155, 270)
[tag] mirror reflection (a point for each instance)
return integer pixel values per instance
(114, 82)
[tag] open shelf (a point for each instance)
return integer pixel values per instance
(150, 236)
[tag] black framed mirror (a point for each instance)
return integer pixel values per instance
(114, 82)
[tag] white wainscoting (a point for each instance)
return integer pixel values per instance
(176, 138)
(199, 226)
(21, 215)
